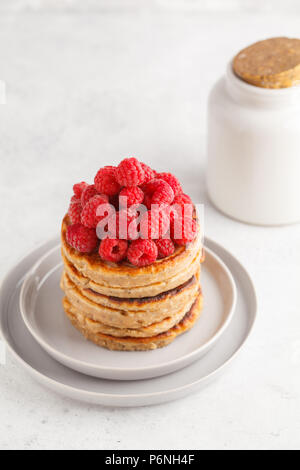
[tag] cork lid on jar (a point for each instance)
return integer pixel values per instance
(272, 63)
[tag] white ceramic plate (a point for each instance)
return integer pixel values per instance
(169, 387)
(41, 308)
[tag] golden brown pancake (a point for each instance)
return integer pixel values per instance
(126, 280)
(143, 332)
(130, 313)
(129, 343)
(151, 290)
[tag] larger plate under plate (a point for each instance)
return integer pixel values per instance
(42, 312)
(124, 393)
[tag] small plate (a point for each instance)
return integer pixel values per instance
(41, 308)
(69, 383)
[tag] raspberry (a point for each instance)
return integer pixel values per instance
(172, 181)
(164, 193)
(130, 173)
(114, 201)
(158, 192)
(113, 250)
(165, 247)
(183, 205)
(88, 192)
(123, 225)
(149, 173)
(74, 211)
(182, 199)
(105, 181)
(104, 229)
(189, 231)
(147, 201)
(78, 188)
(74, 199)
(134, 195)
(89, 216)
(154, 224)
(142, 252)
(81, 238)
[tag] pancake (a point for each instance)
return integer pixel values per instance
(130, 313)
(153, 329)
(151, 290)
(133, 343)
(119, 279)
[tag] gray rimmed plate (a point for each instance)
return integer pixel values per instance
(42, 312)
(124, 393)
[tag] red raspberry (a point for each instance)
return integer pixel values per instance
(130, 173)
(105, 181)
(89, 216)
(81, 238)
(142, 252)
(134, 195)
(103, 228)
(88, 192)
(114, 201)
(164, 193)
(183, 205)
(158, 192)
(154, 224)
(150, 187)
(182, 199)
(123, 225)
(165, 247)
(147, 201)
(172, 181)
(189, 231)
(78, 188)
(113, 250)
(149, 173)
(74, 212)
(74, 199)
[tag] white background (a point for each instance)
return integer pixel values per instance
(89, 82)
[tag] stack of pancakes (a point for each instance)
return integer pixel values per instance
(123, 307)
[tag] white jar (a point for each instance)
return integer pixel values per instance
(253, 171)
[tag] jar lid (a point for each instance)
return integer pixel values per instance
(272, 63)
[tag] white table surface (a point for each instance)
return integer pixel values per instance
(85, 89)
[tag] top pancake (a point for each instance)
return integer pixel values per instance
(125, 275)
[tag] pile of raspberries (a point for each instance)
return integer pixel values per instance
(136, 181)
